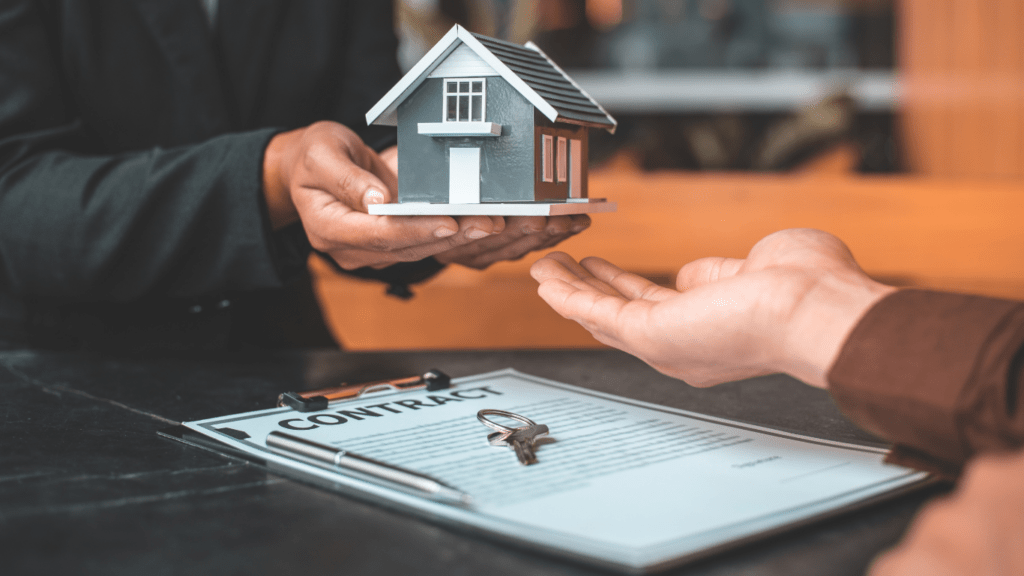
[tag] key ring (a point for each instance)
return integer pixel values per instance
(482, 416)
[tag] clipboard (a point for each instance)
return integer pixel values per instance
(623, 485)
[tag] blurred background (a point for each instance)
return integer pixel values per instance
(706, 84)
(896, 124)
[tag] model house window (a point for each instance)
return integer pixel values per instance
(547, 155)
(561, 159)
(464, 100)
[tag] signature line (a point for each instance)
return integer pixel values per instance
(841, 464)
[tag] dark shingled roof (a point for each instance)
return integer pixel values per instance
(554, 86)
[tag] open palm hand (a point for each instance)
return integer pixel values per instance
(787, 307)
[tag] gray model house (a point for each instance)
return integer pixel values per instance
(490, 127)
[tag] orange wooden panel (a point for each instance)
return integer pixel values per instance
(957, 235)
(459, 308)
(962, 69)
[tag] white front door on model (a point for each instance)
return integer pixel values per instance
(464, 176)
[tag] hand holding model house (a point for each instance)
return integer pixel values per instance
(523, 158)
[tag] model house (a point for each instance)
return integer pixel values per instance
(490, 127)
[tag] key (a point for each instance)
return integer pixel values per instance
(521, 440)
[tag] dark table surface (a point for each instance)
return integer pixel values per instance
(87, 485)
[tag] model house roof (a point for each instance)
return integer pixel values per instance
(526, 68)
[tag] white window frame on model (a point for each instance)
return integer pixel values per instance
(460, 95)
(547, 156)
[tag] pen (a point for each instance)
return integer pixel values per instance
(327, 456)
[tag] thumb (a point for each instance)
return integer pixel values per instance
(706, 271)
(358, 187)
(380, 168)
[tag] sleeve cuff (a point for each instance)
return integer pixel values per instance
(398, 277)
(930, 371)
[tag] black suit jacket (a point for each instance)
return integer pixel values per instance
(131, 148)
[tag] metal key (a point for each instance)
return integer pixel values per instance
(521, 441)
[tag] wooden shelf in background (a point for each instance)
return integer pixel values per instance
(954, 235)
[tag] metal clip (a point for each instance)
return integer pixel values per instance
(319, 399)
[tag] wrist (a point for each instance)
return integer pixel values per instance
(823, 320)
(276, 189)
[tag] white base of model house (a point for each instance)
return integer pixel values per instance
(586, 206)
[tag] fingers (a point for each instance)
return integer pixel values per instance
(578, 223)
(350, 183)
(628, 284)
(480, 227)
(561, 227)
(384, 172)
(405, 239)
(521, 235)
(517, 238)
(331, 225)
(356, 239)
(334, 159)
(330, 168)
(613, 305)
(338, 176)
(561, 266)
(581, 303)
(706, 271)
(600, 274)
(612, 320)
(336, 226)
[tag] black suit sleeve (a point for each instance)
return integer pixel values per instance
(371, 69)
(76, 226)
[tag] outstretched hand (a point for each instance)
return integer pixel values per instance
(787, 307)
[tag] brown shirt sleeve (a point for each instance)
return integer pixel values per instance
(937, 374)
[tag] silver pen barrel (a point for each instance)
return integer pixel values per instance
(327, 456)
(384, 471)
(302, 449)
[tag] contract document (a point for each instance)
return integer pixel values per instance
(619, 483)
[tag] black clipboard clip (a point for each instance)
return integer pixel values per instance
(319, 399)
